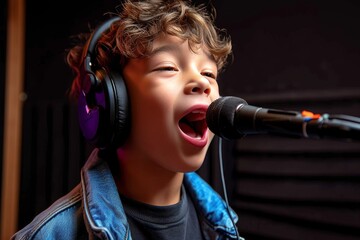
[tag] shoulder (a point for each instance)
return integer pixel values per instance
(63, 219)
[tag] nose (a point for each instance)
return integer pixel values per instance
(198, 85)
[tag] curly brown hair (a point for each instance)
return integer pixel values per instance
(139, 25)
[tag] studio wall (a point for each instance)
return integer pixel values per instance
(288, 54)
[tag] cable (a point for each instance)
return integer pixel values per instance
(224, 187)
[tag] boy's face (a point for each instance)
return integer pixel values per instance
(169, 93)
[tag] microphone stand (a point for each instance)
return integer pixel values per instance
(336, 126)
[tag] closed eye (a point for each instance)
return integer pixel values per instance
(209, 74)
(167, 68)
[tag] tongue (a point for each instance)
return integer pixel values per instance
(188, 130)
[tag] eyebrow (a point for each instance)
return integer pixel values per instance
(174, 48)
(165, 48)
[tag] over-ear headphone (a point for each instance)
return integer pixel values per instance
(103, 103)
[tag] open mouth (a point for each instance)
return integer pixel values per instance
(194, 124)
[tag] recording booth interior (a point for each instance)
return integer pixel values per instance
(290, 55)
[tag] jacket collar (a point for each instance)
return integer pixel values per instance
(102, 206)
(104, 212)
(210, 204)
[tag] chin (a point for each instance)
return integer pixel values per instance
(189, 169)
(192, 163)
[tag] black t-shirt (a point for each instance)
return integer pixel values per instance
(175, 222)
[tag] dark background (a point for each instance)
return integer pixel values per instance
(288, 54)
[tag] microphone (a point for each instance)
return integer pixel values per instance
(231, 117)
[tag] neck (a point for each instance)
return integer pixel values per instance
(143, 180)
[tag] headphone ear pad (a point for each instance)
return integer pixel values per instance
(117, 109)
(108, 122)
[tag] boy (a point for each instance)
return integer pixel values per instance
(139, 183)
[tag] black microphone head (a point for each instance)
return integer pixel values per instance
(220, 117)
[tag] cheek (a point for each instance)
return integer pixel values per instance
(214, 91)
(151, 113)
(214, 96)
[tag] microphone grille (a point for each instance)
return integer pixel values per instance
(220, 116)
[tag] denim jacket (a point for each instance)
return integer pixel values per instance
(93, 209)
